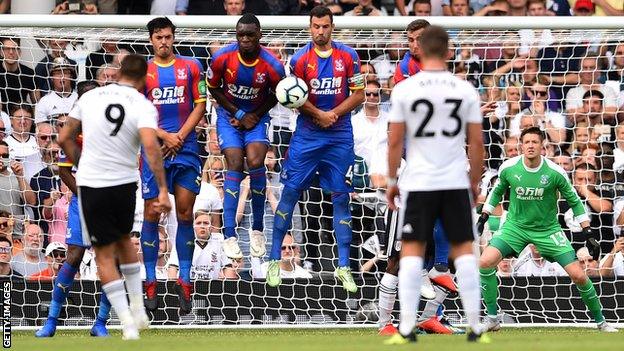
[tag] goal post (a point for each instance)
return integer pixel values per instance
(482, 48)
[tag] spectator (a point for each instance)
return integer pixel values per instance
(54, 48)
(459, 8)
(613, 263)
(615, 75)
(289, 264)
(584, 8)
(200, 7)
(368, 70)
(403, 7)
(208, 256)
(164, 251)
(234, 7)
(62, 97)
(559, 66)
(593, 111)
(370, 124)
(23, 146)
(618, 152)
(517, 7)
(511, 147)
(496, 8)
(581, 140)
(58, 223)
(552, 122)
(14, 188)
(210, 197)
(537, 8)
(505, 267)
(366, 8)
(100, 58)
(532, 264)
(3, 129)
(55, 255)
(5, 259)
(7, 223)
(107, 74)
(589, 264)
(5, 6)
(46, 184)
(335, 9)
(559, 8)
(589, 80)
(17, 81)
(31, 260)
(564, 161)
(422, 8)
(84, 8)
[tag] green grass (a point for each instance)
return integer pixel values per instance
(509, 339)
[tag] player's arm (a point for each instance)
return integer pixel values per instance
(356, 86)
(396, 136)
(68, 137)
(68, 178)
(476, 152)
(151, 148)
(349, 104)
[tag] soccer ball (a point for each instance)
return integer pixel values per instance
(291, 92)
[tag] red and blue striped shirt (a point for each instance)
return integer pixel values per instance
(408, 66)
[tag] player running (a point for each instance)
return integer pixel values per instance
(534, 183)
(242, 78)
(76, 247)
(323, 140)
(175, 85)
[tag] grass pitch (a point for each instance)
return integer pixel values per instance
(509, 339)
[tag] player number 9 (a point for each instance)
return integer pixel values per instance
(116, 117)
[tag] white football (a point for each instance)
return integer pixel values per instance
(291, 92)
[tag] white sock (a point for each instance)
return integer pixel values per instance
(387, 296)
(409, 291)
(132, 273)
(469, 288)
(116, 294)
(431, 307)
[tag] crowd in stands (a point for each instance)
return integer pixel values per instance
(574, 91)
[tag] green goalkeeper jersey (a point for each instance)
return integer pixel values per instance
(533, 194)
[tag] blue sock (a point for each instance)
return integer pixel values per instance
(231, 192)
(62, 285)
(440, 311)
(258, 196)
(185, 244)
(149, 246)
(342, 227)
(281, 221)
(441, 244)
(104, 311)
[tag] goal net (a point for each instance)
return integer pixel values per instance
(568, 81)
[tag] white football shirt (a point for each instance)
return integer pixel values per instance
(207, 260)
(435, 107)
(111, 117)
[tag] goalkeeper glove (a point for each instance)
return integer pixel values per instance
(591, 243)
(481, 222)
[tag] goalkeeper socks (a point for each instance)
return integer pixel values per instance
(441, 244)
(342, 226)
(132, 274)
(387, 296)
(467, 273)
(281, 220)
(105, 307)
(410, 276)
(62, 285)
(432, 307)
(231, 193)
(116, 294)
(149, 244)
(257, 183)
(591, 300)
(489, 283)
(185, 244)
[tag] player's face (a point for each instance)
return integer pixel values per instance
(412, 41)
(321, 30)
(531, 146)
(162, 42)
(248, 38)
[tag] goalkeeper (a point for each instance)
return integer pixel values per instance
(534, 183)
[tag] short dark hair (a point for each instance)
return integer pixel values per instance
(6, 240)
(4, 214)
(3, 143)
(585, 166)
(532, 130)
(159, 23)
(320, 12)
(593, 93)
(86, 85)
(417, 24)
(434, 42)
(374, 82)
(561, 152)
(249, 18)
(134, 67)
(15, 39)
(16, 107)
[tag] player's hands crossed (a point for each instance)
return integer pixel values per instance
(172, 143)
(325, 119)
(162, 204)
(249, 120)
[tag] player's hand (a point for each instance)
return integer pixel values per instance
(392, 193)
(167, 152)
(591, 243)
(249, 120)
(17, 168)
(235, 123)
(162, 205)
(481, 222)
(326, 118)
(172, 141)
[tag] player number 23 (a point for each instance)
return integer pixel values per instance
(421, 132)
(115, 114)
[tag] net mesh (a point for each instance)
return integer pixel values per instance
(509, 68)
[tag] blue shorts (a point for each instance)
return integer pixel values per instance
(74, 228)
(332, 159)
(182, 174)
(236, 138)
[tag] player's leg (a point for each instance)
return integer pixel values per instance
(185, 236)
(130, 267)
(149, 236)
(256, 151)
(299, 169)
(390, 280)
(439, 274)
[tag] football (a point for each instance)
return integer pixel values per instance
(291, 92)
